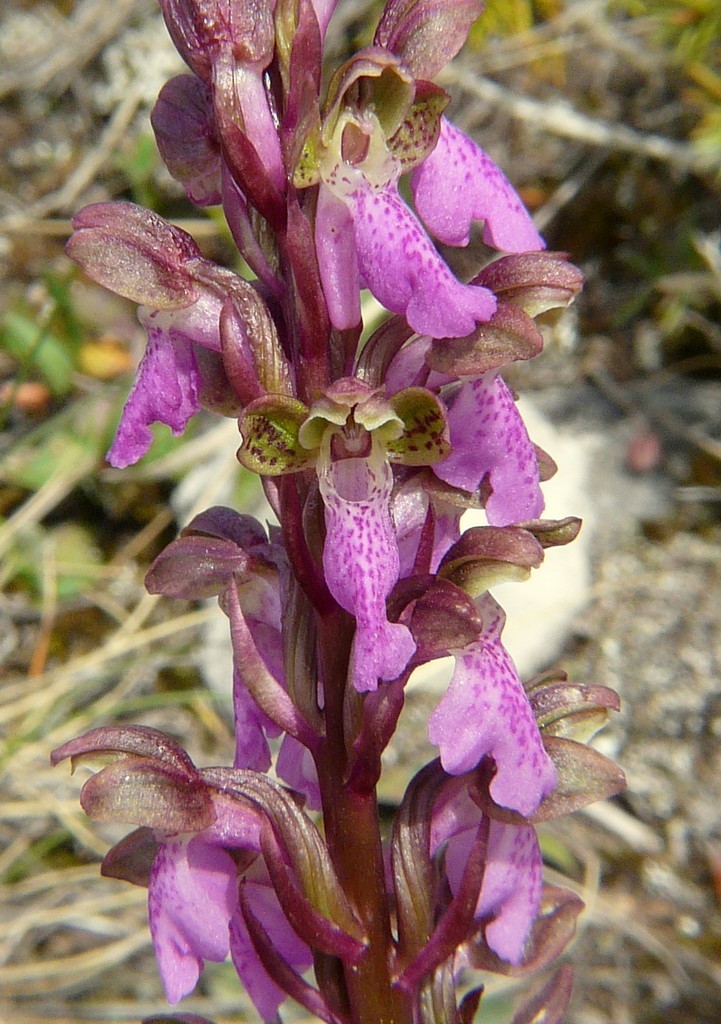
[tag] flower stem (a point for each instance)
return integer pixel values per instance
(352, 832)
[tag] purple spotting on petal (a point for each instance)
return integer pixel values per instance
(458, 183)
(165, 390)
(488, 436)
(263, 991)
(512, 880)
(192, 896)
(295, 765)
(337, 260)
(361, 564)
(485, 712)
(402, 268)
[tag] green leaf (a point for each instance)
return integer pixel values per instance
(37, 348)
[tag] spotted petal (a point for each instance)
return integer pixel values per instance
(361, 563)
(192, 896)
(485, 712)
(458, 183)
(488, 437)
(402, 268)
(511, 889)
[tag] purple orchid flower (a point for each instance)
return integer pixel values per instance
(485, 712)
(366, 235)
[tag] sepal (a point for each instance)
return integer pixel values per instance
(425, 437)
(202, 29)
(135, 253)
(488, 555)
(550, 1004)
(552, 533)
(570, 710)
(270, 428)
(252, 355)
(426, 34)
(509, 336)
(533, 281)
(132, 858)
(444, 617)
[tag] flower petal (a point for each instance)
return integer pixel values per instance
(511, 889)
(458, 183)
(165, 390)
(485, 712)
(251, 724)
(264, 992)
(400, 265)
(192, 897)
(295, 765)
(361, 563)
(337, 260)
(496, 444)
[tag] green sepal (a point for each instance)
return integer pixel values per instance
(418, 134)
(269, 428)
(425, 437)
(307, 167)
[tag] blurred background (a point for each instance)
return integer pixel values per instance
(606, 114)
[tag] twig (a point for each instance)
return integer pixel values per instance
(559, 118)
(661, 417)
(84, 173)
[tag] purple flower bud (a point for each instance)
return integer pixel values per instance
(187, 138)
